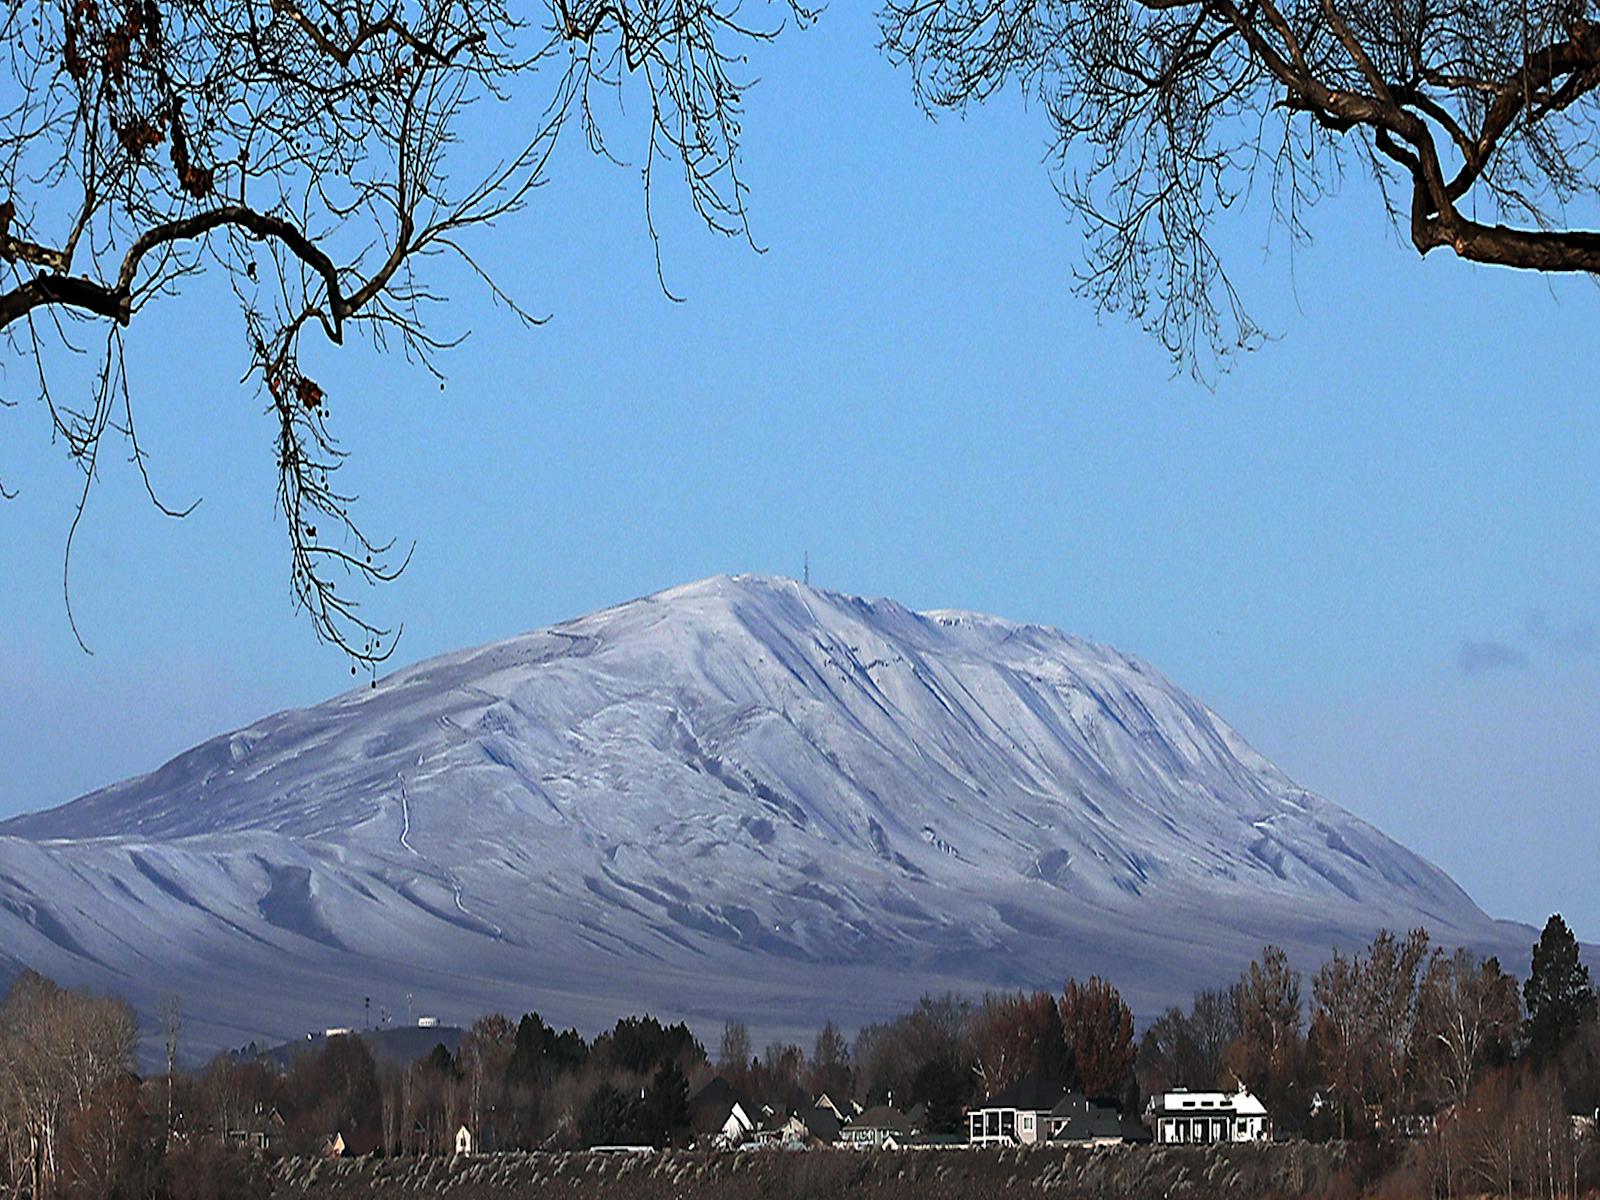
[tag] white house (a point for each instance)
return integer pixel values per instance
(1183, 1118)
(463, 1140)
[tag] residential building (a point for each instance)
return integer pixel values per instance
(1183, 1118)
(1019, 1115)
(1082, 1121)
(722, 1114)
(881, 1128)
(263, 1130)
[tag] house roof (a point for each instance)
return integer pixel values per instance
(882, 1117)
(1034, 1092)
(1070, 1105)
(821, 1123)
(1094, 1122)
(718, 1097)
(826, 1101)
(1180, 1103)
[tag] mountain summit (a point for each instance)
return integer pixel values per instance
(743, 796)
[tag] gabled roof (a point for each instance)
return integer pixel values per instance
(1034, 1092)
(719, 1100)
(882, 1117)
(1181, 1103)
(1095, 1122)
(1246, 1105)
(1070, 1105)
(719, 1096)
(842, 1112)
(821, 1123)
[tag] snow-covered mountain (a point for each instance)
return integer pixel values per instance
(739, 797)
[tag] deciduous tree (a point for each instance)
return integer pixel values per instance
(1099, 1028)
(1477, 119)
(308, 155)
(1269, 1054)
(829, 1070)
(1469, 1022)
(1015, 1033)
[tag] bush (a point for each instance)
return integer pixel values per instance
(213, 1169)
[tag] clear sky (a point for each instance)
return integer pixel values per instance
(1372, 546)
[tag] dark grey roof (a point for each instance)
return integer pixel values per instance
(882, 1117)
(1095, 1122)
(1098, 1120)
(1034, 1092)
(820, 1123)
(719, 1096)
(1071, 1105)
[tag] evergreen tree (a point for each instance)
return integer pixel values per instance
(609, 1118)
(1055, 1057)
(527, 1051)
(939, 1085)
(1559, 997)
(666, 1105)
(439, 1061)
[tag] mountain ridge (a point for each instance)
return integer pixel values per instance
(737, 791)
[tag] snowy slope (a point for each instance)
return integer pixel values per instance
(738, 796)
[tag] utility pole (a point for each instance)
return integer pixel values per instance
(808, 569)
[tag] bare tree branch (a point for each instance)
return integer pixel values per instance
(308, 150)
(1162, 113)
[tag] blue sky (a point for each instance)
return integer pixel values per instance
(1371, 546)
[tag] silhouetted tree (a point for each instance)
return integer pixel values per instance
(665, 1112)
(609, 1117)
(1188, 1050)
(1476, 117)
(314, 156)
(335, 1088)
(638, 1044)
(1559, 997)
(943, 1088)
(889, 1055)
(735, 1053)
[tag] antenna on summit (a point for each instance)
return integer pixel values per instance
(808, 569)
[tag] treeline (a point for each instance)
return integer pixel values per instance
(515, 1084)
(1397, 1038)
(949, 1051)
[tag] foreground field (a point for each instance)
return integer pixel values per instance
(1116, 1173)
